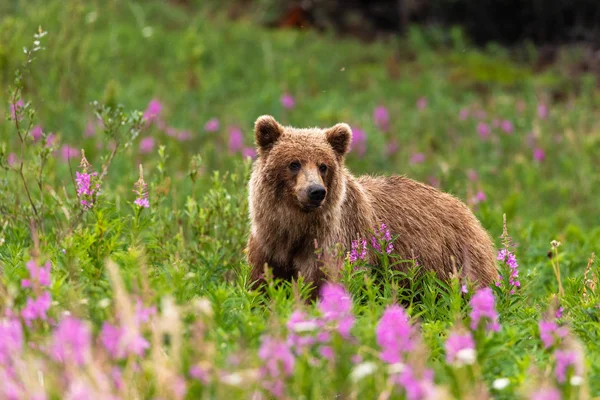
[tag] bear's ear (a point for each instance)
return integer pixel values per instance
(339, 137)
(266, 131)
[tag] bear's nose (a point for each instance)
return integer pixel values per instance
(316, 192)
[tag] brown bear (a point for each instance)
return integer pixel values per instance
(300, 194)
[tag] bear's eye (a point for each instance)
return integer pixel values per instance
(294, 166)
(323, 168)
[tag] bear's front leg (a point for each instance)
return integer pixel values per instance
(257, 258)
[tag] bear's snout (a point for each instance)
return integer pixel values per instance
(316, 193)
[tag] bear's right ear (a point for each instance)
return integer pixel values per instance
(266, 132)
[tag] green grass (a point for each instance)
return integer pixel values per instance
(189, 245)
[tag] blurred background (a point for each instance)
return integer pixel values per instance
(494, 101)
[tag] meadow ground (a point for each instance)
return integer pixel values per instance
(114, 286)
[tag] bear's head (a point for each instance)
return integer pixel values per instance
(303, 168)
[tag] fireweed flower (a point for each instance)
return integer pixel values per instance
(417, 158)
(463, 114)
(551, 334)
(39, 274)
(509, 259)
(278, 364)
(301, 331)
(422, 103)
(483, 130)
(212, 125)
(381, 118)
(415, 388)
(460, 349)
(236, 139)
(36, 133)
(140, 188)
(538, 154)
(359, 141)
(391, 147)
(507, 126)
(483, 310)
(71, 342)
(542, 110)
(395, 335)
(11, 344)
(567, 360)
(336, 306)
(384, 236)
(121, 341)
(359, 250)
(15, 110)
(37, 308)
(67, 152)
(184, 136)
(287, 101)
(153, 111)
(88, 183)
(147, 145)
(249, 152)
(548, 393)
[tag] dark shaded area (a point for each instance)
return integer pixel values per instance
(502, 21)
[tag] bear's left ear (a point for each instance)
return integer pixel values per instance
(339, 137)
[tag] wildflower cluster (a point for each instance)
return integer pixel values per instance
(381, 238)
(88, 183)
(140, 188)
(510, 267)
(37, 305)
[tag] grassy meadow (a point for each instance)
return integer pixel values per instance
(123, 274)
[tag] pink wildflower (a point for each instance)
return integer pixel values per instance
(359, 250)
(551, 334)
(184, 136)
(153, 110)
(480, 196)
(301, 331)
(15, 110)
(147, 145)
(415, 388)
(12, 159)
(336, 306)
(236, 139)
(359, 141)
(36, 308)
(50, 140)
(391, 147)
(36, 133)
(483, 130)
(249, 152)
(460, 349)
(542, 110)
(538, 154)
(472, 175)
(278, 364)
(287, 101)
(67, 152)
(37, 274)
(381, 117)
(199, 373)
(559, 312)
(71, 341)
(212, 125)
(463, 114)
(507, 126)
(417, 158)
(395, 335)
(546, 394)
(483, 310)
(11, 344)
(140, 188)
(566, 360)
(422, 103)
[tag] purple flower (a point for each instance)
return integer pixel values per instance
(480, 196)
(559, 312)
(171, 132)
(551, 334)
(391, 147)
(382, 235)
(417, 158)
(463, 114)
(415, 388)
(212, 125)
(142, 313)
(381, 117)
(278, 364)
(36, 308)
(542, 110)
(301, 331)
(90, 129)
(336, 306)
(395, 334)
(12, 159)
(359, 141)
(50, 140)
(422, 103)
(11, 344)
(538, 154)
(184, 136)
(71, 341)
(37, 274)
(140, 188)
(15, 110)
(87, 186)
(566, 360)
(460, 349)
(199, 373)
(506, 126)
(153, 110)
(483, 130)
(36, 133)
(483, 310)
(236, 139)
(147, 145)
(359, 250)
(67, 152)
(511, 261)
(472, 175)
(287, 101)
(464, 288)
(120, 341)
(249, 152)
(546, 394)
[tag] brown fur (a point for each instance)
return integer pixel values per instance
(435, 228)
